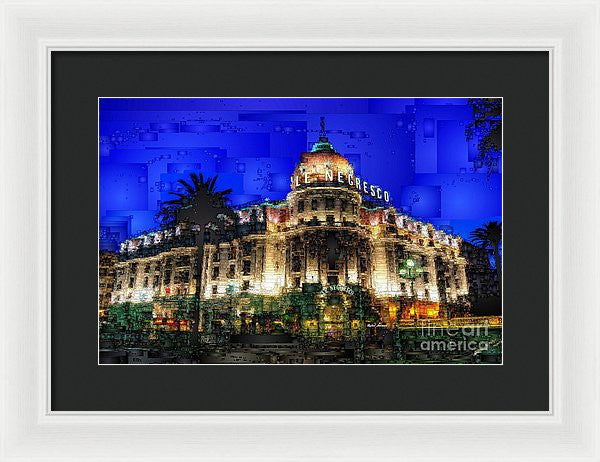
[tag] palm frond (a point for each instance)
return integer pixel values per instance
(211, 184)
(188, 187)
(180, 195)
(176, 202)
(489, 235)
(199, 193)
(196, 180)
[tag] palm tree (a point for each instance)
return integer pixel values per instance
(201, 204)
(490, 235)
(199, 192)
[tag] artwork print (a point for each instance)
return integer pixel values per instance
(302, 231)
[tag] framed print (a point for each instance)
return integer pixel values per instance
(274, 278)
(269, 232)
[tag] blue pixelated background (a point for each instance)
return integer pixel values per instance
(414, 147)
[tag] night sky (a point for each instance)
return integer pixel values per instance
(415, 148)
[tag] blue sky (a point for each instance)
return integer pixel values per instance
(415, 148)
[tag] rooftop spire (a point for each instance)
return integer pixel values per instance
(323, 144)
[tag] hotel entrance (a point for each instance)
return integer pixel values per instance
(334, 321)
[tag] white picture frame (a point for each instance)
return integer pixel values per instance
(569, 31)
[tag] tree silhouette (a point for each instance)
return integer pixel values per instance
(487, 125)
(198, 201)
(490, 235)
(201, 205)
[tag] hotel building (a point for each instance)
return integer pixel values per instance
(335, 236)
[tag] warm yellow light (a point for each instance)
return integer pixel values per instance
(393, 311)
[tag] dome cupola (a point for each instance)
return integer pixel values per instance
(322, 165)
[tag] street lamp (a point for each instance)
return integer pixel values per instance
(409, 269)
(361, 339)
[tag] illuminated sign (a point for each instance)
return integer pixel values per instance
(360, 184)
(337, 288)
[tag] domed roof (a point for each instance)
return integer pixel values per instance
(322, 159)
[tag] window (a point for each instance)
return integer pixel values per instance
(156, 281)
(215, 272)
(131, 282)
(297, 282)
(231, 253)
(217, 256)
(344, 205)
(145, 282)
(363, 265)
(245, 285)
(246, 249)
(119, 285)
(167, 277)
(183, 261)
(214, 290)
(133, 268)
(403, 287)
(231, 272)
(300, 206)
(332, 279)
(329, 203)
(314, 204)
(426, 277)
(427, 294)
(147, 268)
(330, 220)
(246, 268)
(296, 264)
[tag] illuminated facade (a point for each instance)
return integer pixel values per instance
(326, 233)
(334, 234)
(106, 280)
(154, 271)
